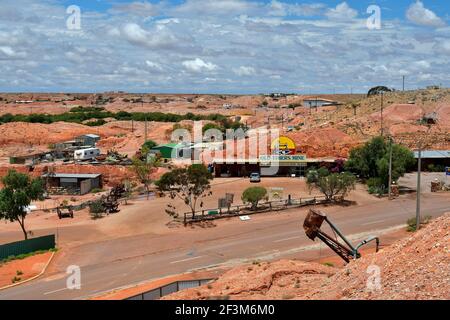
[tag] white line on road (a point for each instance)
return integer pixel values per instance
(291, 238)
(373, 222)
(184, 260)
(54, 291)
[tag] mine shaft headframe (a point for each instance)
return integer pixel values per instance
(347, 251)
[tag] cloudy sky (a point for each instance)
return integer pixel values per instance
(222, 46)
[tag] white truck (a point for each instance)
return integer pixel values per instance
(86, 154)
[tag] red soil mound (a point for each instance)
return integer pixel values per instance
(417, 267)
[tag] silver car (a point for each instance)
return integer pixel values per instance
(255, 177)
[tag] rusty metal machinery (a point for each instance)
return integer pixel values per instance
(347, 252)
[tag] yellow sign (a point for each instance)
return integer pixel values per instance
(283, 146)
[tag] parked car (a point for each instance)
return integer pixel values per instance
(255, 177)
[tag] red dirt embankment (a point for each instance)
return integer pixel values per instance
(417, 267)
(324, 142)
(23, 269)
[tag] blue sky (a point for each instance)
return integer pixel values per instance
(226, 46)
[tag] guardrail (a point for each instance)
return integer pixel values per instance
(238, 210)
(170, 288)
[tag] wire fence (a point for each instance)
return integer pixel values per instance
(246, 209)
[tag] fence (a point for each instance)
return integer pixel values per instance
(173, 287)
(238, 210)
(27, 246)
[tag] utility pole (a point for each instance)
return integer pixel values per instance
(382, 129)
(390, 167)
(403, 83)
(145, 130)
(419, 169)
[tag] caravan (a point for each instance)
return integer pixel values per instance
(86, 154)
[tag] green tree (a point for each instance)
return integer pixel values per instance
(209, 126)
(147, 146)
(254, 195)
(332, 185)
(143, 170)
(188, 184)
(18, 192)
(377, 90)
(372, 161)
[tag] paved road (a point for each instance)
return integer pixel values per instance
(121, 262)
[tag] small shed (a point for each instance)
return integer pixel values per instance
(31, 158)
(72, 183)
(87, 140)
(318, 102)
(168, 151)
(434, 159)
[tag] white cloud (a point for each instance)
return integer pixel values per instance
(160, 37)
(277, 8)
(244, 71)
(153, 65)
(203, 46)
(216, 8)
(418, 14)
(142, 9)
(198, 65)
(8, 51)
(342, 12)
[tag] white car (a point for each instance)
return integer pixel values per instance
(255, 177)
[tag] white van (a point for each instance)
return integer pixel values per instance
(86, 154)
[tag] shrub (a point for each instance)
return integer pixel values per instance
(96, 190)
(253, 195)
(96, 123)
(376, 186)
(412, 223)
(15, 279)
(96, 209)
(334, 186)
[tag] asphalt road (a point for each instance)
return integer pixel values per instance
(121, 262)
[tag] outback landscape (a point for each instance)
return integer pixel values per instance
(325, 132)
(224, 150)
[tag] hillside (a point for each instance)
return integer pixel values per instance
(417, 267)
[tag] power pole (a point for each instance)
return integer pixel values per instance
(382, 129)
(145, 130)
(390, 167)
(419, 169)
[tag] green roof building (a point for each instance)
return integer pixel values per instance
(167, 151)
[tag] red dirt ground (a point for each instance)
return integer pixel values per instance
(415, 268)
(30, 267)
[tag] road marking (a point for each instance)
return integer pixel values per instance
(188, 259)
(291, 238)
(373, 222)
(54, 291)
